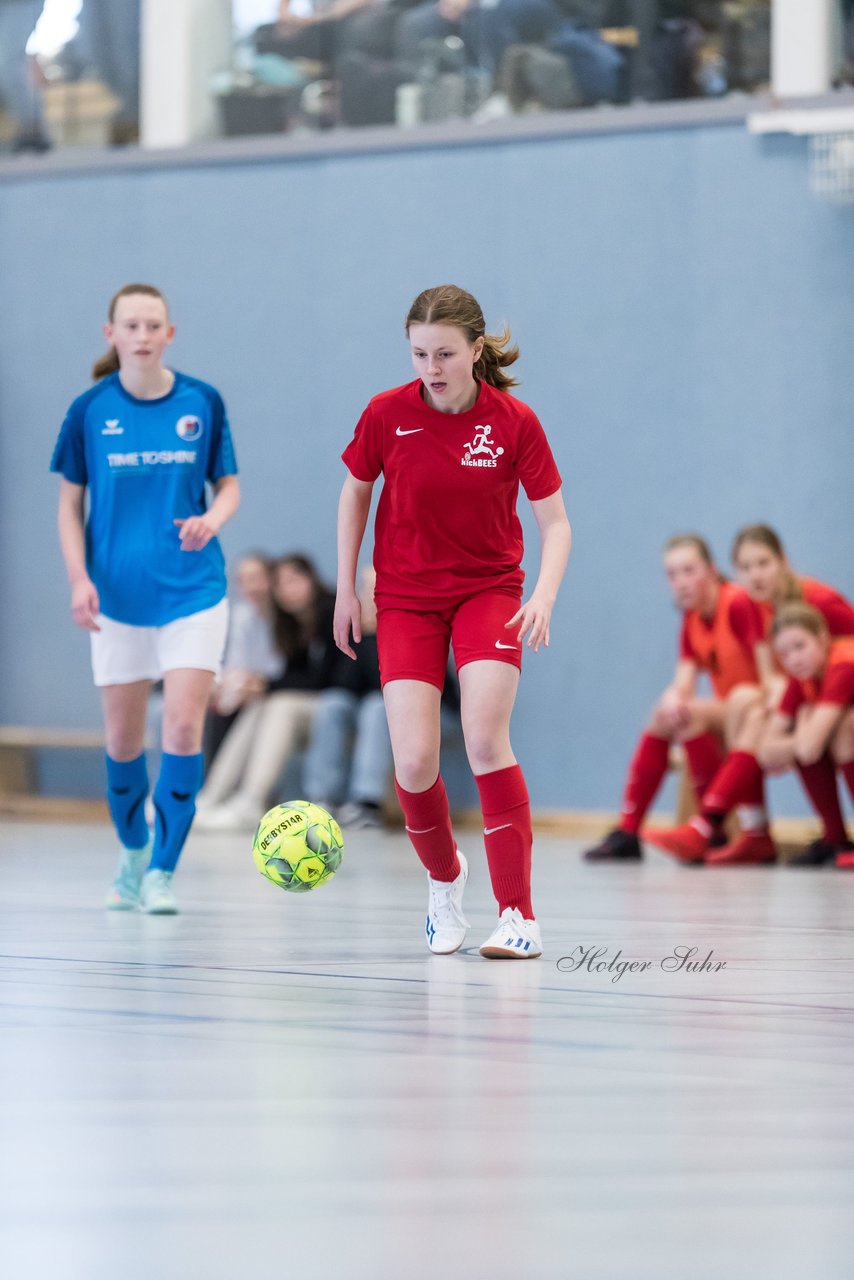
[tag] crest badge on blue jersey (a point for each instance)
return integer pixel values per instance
(189, 427)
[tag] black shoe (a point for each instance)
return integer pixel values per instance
(818, 854)
(618, 846)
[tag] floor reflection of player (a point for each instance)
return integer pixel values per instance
(722, 635)
(147, 574)
(448, 551)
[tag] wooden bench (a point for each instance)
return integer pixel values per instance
(19, 778)
(19, 797)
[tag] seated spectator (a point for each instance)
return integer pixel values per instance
(349, 759)
(252, 656)
(269, 730)
(327, 30)
(487, 32)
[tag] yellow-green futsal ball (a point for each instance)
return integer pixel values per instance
(298, 846)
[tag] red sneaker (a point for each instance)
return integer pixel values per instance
(684, 843)
(751, 848)
(845, 859)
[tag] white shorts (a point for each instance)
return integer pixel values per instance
(122, 654)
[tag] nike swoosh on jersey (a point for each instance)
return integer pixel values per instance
(488, 831)
(400, 431)
(499, 645)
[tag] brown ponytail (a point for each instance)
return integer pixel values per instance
(109, 362)
(448, 304)
(764, 536)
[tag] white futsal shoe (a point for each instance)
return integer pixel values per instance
(446, 925)
(514, 938)
(157, 896)
(123, 893)
(236, 814)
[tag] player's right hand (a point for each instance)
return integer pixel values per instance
(85, 605)
(675, 710)
(347, 617)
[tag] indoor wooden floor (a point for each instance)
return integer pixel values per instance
(273, 1086)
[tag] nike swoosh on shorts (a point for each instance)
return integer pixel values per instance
(499, 645)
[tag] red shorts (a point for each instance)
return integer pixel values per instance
(414, 645)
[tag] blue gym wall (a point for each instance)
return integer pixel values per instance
(685, 310)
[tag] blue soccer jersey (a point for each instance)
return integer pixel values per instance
(145, 463)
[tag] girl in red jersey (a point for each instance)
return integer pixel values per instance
(452, 447)
(764, 571)
(815, 718)
(722, 635)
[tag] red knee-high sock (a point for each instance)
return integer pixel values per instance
(646, 771)
(428, 825)
(508, 837)
(819, 781)
(739, 781)
(705, 757)
(847, 771)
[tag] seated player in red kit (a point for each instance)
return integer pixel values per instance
(766, 574)
(722, 635)
(815, 719)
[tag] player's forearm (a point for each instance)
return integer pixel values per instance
(353, 509)
(556, 540)
(72, 541)
(226, 502)
(684, 682)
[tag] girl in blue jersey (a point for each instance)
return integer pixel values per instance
(147, 574)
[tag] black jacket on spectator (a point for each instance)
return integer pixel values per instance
(363, 675)
(309, 660)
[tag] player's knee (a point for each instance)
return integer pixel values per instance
(658, 725)
(121, 745)
(416, 771)
(842, 743)
(486, 751)
(181, 736)
(807, 754)
(744, 698)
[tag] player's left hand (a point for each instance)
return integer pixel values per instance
(534, 616)
(196, 532)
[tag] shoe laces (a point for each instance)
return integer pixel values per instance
(160, 881)
(132, 867)
(442, 907)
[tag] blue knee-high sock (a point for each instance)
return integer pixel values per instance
(127, 788)
(175, 804)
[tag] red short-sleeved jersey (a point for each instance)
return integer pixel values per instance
(835, 685)
(446, 523)
(724, 645)
(838, 613)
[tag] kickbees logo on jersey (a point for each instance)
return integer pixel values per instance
(189, 427)
(480, 452)
(111, 428)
